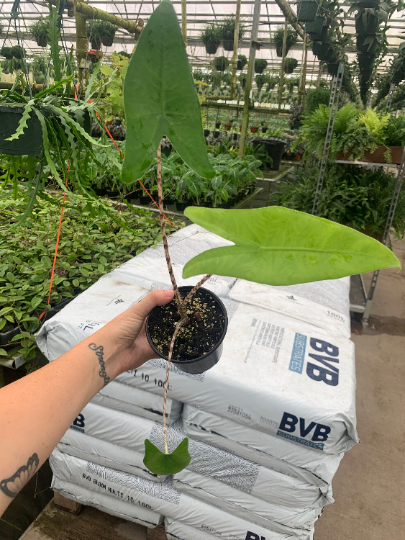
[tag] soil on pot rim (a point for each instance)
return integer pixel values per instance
(195, 340)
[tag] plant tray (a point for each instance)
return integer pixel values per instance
(307, 10)
(377, 156)
(6, 337)
(28, 144)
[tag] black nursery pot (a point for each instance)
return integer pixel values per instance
(274, 148)
(315, 26)
(29, 143)
(207, 361)
(307, 10)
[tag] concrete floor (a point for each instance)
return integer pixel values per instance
(368, 487)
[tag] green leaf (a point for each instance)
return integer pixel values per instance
(160, 463)
(160, 99)
(278, 246)
(10, 277)
(2, 323)
(3, 352)
(36, 301)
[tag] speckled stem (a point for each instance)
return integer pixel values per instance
(195, 289)
(169, 360)
(177, 296)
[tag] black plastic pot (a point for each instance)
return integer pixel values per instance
(29, 143)
(206, 132)
(307, 10)
(371, 27)
(239, 65)
(322, 50)
(322, 36)
(333, 68)
(228, 44)
(96, 44)
(56, 308)
(297, 124)
(181, 206)
(216, 134)
(264, 129)
(203, 363)
(315, 26)
(274, 149)
(42, 41)
(217, 125)
(279, 50)
(107, 41)
(144, 200)
(398, 76)
(211, 48)
(166, 150)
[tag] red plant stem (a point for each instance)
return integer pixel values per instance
(169, 359)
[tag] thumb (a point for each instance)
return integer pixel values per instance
(155, 298)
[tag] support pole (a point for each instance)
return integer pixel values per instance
(281, 83)
(82, 44)
(234, 61)
(252, 56)
(89, 12)
(301, 94)
(184, 20)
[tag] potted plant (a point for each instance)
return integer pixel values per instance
(18, 52)
(324, 51)
(211, 37)
(317, 29)
(290, 64)
(259, 253)
(220, 63)
(106, 31)
(228, 32)
(278, 39)
(261, 80)
(307, 10)
(260, 65)
(6, 52)
(93, 35)
(40, 31)
(242, 61)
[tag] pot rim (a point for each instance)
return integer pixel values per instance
(188, 288)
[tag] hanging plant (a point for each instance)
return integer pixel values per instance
(317, 29)
(228, 32)
(211, 37)
(307, 10)
(242, 61)
(278, 38)
(40, 31)
(93, 35)
(18, 52)
(261, 80)
(290, 64)
(242, 79)
(6, 52)
(220, 63)
(260, 65)
(106, 31)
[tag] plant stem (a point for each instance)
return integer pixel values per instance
(169, 359)
(179, 302)
(195, 289)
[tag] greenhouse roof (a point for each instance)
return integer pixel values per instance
(199, 14)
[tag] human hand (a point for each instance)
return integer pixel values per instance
(126, 333)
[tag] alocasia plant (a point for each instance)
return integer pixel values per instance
(272, 245)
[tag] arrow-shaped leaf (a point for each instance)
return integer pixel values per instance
(160, 99)
(278, 246)
(161, 463)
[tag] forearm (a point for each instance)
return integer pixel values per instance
(37, 410)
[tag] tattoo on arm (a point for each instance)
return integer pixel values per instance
(99, 350)
(11, 486)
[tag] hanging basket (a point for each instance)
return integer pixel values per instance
(333, 68)
(228, 44)
(211, 48)
(42, 41)
(96, 43)
(107, 40)
(315, 26)
(307, 10)
(29, 143)
(322, 50)
(364, 47)
(239, 65)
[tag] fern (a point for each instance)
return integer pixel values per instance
(22, 124)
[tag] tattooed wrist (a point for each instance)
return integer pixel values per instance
(11, 486)
(99, 350)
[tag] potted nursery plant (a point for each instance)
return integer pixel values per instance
(40, 31)
(290, 64)
(278, 38)
(242, 61)
(228, 32)
(317, 29)
(220, 63)
(260, 65)
(262, 251)
(106, 31)
(211, 37)
(93, 35)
